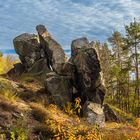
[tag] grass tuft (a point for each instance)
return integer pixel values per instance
(6, 63)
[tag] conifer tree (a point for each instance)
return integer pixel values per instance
(133, 43)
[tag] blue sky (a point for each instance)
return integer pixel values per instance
(65, 19)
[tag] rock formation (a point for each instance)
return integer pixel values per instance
(110, 115)
(87, 79)
(59, 88)
(94, 113)
(27, 47)
(87, 76)
(64, 80)
(52, 50)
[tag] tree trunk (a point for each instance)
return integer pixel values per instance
(137, 77)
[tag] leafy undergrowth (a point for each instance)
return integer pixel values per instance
(28, 114)
(57, 124)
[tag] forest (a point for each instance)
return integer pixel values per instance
(120, 61)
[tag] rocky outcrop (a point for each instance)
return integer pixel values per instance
(79, 44)
(87, 76)
(40, 67)
(59, 88)
(27, 47)
(110, 115)
(41, 55)
(52, 49)
(64, 80)
(94, 113)
(65, 69)
(87, 80)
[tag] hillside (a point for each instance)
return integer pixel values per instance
(27, 114)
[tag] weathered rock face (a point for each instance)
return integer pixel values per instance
(40, 67)
(59, 87)
(42, 55)
(87, 80)
(94, 113)
(65, 69)
(39, 55)
(87, 76)
(27, 47)
(78, 44)
(53, 50)
(110, 114)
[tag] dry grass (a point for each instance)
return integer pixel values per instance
(8, 89)
(120, 132)
(6, 105)
(6, 63)
(39, 113)
(48, 121)
(138, 122)
(58, 125)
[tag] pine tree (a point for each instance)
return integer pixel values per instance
(117, 43)
(133, 43)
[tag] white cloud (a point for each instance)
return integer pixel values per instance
(66, 19)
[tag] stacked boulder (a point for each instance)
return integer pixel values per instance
(64, 79)
(87, 76)
(27, 46)
(52, 50)
(88, 80)
(58, 86)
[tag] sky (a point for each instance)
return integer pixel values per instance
(66, 20)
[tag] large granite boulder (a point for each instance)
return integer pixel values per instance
(40, 67)
(59, 87)
(30, 53)
(94, 113)
(27, 47)
(52, 49)
(78, 44)
(87, 75)
(65, 69)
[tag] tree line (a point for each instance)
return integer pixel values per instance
(120, 62)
